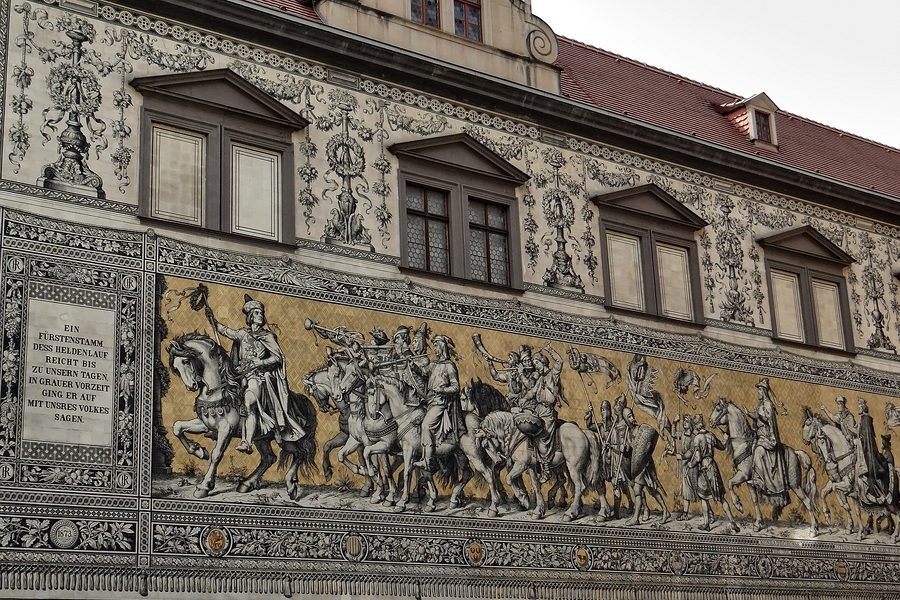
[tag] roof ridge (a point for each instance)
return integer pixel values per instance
(650, 67)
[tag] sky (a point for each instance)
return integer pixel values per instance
(832, 61)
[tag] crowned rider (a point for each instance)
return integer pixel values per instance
(259, 361)
(441, 399)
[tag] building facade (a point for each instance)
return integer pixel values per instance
(416, 299)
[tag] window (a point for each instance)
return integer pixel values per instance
(807, 290)
(649, 253)
(467, 19)
(763, 126)
(219, 155)
(426, 12)
(460, 210)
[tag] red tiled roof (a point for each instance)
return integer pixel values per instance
(298, 8)
(664, 99)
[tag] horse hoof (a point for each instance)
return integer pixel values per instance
(454, 504)
(246, 486)
(201, 493)
(399, 508)
(492, 512)
(390, 502)
(376, 499)
(328, 473)
(428, 508)
(538, 515)
(757, 527)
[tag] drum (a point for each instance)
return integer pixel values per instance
(529, 424)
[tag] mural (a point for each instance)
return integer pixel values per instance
(423, 416)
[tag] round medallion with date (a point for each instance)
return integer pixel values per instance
(64, 534)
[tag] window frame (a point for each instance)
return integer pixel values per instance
(650, 214)
(781, 259)
(650, 238)
(460, 186)
(424, 21)
(259, 123)
(466, 4)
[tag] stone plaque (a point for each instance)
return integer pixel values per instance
(69, 374)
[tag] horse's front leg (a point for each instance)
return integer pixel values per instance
(266, 460)
(352, 445)
(408, 460)
(371, 454)
(327, 448)
(741, 477)
(540, 507)
(515, 481)
(826, 512)
(223, 437)
(813, 526)
(196, 426)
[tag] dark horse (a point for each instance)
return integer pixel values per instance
(205, 368)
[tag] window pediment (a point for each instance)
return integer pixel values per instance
(221, 89)
(461, 152)
(808, 242)
(648, 202)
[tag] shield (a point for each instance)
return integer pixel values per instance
(528, 423)
(643, 444)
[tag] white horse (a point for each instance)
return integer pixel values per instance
(205, 368)
(742, 438)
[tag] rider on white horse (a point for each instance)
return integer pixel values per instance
(259, 359)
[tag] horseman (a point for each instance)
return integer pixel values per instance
(259, 360)
(511, 376)
(403, 362)
(872, 475)
(843, 420)
(769, 469)
(442, 414)
(546, 394)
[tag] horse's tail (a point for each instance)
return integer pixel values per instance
(594, 474)
(303, 452)
(810, 485)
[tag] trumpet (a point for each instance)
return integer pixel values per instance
(476, 338)
(398, 361)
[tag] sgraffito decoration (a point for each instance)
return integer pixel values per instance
(607, 451)
(346, 175)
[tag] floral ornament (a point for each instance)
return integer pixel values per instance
(873, 267)
(346, 162)
(559, 213)
(731, 273)
(22, 75)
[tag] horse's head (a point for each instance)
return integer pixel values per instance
(812, 426)
(719, 415)
(487, 441)
(184, 362)
(317, 385)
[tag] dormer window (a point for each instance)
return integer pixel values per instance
(755, 118)
(763, 126)
(426, 12)
(467, 19)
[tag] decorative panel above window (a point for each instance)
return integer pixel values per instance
(461, 216)
(219, 155)
(649, 253)
(807, 288)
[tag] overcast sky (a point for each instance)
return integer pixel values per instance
(833, 61)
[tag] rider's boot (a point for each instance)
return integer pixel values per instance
(545, 470)
(427, 457)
